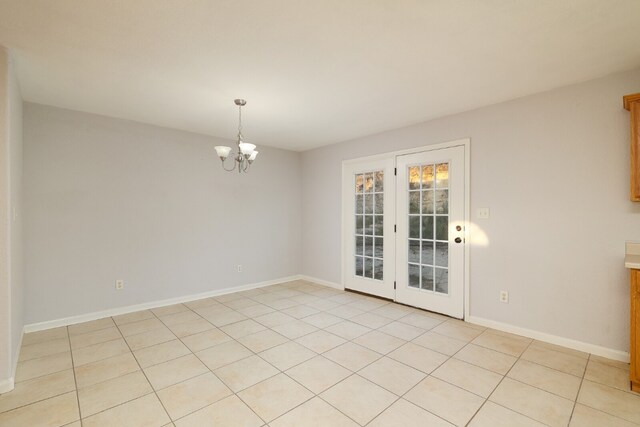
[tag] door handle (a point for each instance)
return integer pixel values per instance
(458, 240)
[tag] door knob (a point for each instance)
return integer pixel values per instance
(458, 240)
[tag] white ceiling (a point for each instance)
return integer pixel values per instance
(313, 72)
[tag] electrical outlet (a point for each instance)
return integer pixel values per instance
(239, 268)
(483, 213)
(119, 284)
(504, 296)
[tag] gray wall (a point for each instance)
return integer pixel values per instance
(11, 266)
(16, 272)
(109, 199)
(5, 288)
(554, 170)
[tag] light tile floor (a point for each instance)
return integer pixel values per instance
(298, 354)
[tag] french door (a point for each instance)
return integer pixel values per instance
(404, 228)
(368, 206)
(430, 231)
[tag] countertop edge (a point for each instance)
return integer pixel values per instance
(632, 261)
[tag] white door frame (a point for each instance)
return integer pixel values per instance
(464, 142)
(383, 288)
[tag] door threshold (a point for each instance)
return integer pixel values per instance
(399, 303)
(368, 295)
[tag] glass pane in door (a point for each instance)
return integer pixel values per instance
(369, 220)
(428, 220)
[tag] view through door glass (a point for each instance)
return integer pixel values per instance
(428, 243)
(369, 225)
(430, 205)
(368, 217)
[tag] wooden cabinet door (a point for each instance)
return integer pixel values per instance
(635, 330)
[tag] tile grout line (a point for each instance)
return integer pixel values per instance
(452, 357)
(506, 375)
(40, 357)
(257, 354)
(314, 395)
(347, 341)
(42, 375)
(153, 314)
(352, 373)
(145, 376)
(498, 385)
(233, 393)
(515, 379)
(283, 372)
(591, 407)
(213, 373)
(122, 403)
(328, 297)
(75, 390)
(348, 319)
(342, 319)
(210, 371)
(533, 386)
(427, 376)
(580, 388)
(404, 364)
(75, 380)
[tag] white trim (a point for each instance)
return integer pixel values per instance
(609, 353)
(15, 362)
(322, 282)
(7, 385)
(440, 145)
(72, 320)
(452, 302)
(384, 288)
(466, 143)
(342, 232)
(467, 228)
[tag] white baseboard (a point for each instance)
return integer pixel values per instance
(15, 362)
(72, 320)
(552, 339)
(529, 333)
(321, 282)
(6, 385)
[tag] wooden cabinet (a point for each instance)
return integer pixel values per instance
(632, 103)
(635, 331)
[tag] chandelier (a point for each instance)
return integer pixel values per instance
(246, 153)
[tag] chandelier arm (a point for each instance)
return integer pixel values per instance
(232, 168)
(239, 159)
